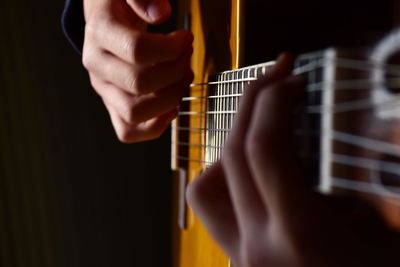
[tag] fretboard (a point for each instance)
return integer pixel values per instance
(223, 99)
(225, 91)
(207, 114)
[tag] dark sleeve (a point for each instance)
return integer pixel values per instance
(73, 23)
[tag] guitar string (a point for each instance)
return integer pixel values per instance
(392, 83)
(366, 187)
(357, 85)
(348, 106)
(371, 187)
(356, 64)
(352, 161)
(346, 138)
(390, 69)
(363, 142)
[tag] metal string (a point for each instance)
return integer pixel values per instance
(363, 84)
(355, 84)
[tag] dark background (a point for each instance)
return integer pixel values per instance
(70, 193)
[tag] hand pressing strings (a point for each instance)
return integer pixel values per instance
(256, 204)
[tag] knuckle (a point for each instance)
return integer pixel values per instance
(131, 83)
(133, 112)
(93, 82)
(124, 135)
(91, 30)
(87, 59)
(97, 21)
(154, 133)
(192, 191)
(136, 83)
(157, 133)
(133, 46)
(230, 152)
(195, 192)
(255, 143)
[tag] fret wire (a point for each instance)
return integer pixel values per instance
(219, 115)
(197, 145)
(208, 123)
(211, 121)
(217, 118)
(229, 107)
(215, 121)
(200, 129)
(231, 100)
(222, 116)
(226, 105)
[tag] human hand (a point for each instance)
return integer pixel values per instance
(140, 76)
(260, 209)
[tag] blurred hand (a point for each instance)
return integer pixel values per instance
(140, 76)
(260, 209)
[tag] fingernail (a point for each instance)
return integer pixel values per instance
(158, 10)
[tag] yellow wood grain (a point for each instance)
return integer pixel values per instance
(194, 246)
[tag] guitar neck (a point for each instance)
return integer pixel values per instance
(219, 100)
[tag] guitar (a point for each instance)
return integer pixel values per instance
(344, 87)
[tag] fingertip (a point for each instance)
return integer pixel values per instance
(284, 57)
(284, 65)
(153, 11)
(171, 115)
(185, 37)
(158, 11)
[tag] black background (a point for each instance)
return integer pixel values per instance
(70, 193)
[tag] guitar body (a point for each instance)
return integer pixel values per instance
(233, 33)
(214, 25)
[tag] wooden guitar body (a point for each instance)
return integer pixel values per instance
(234, 33)
(215, 28)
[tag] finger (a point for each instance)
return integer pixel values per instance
(209, 197)
(134, 109)
(131, 133)
(269, 146)
(248, 205)
(151, 11)
(139, 47)
(154, 104)
(137, 81)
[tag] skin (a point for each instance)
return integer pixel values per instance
(140, 76)
(261, 210)
(254, 201)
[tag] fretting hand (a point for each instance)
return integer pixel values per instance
(140, 76)
(258, 207)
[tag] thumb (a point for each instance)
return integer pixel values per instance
(151, 11)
